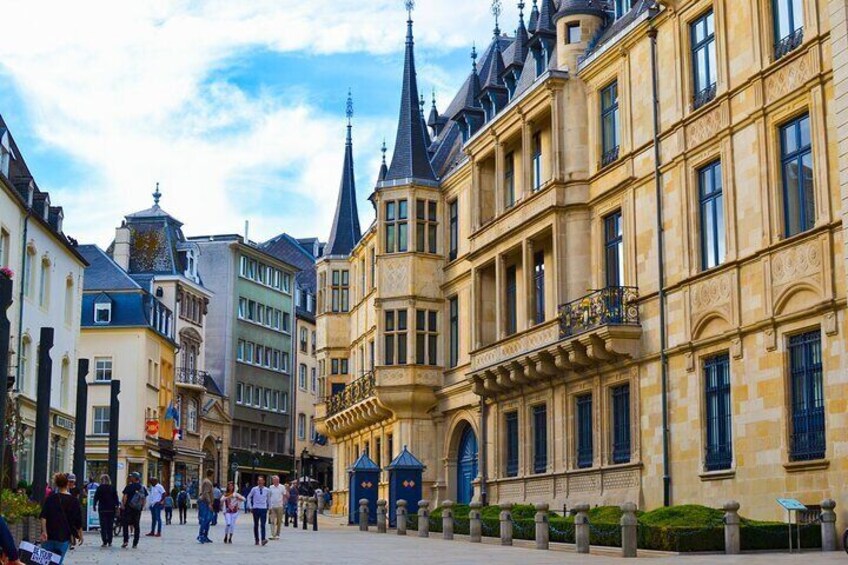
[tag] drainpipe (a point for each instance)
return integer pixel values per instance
(484, 491)
(652, 33)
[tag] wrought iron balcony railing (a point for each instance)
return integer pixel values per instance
(355, 392)
(609, 156)
(187, 376)
(789, 43)
(613, 305)
(704, 96)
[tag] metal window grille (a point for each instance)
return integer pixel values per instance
(585, 449)
(512, 444)
(719, 452)
(808, 425)
(621, 424)
(540, 439)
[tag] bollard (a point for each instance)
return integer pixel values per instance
(475, 523)
(506, 523)
(828, 525)
(423, 518)
(628, 530)
(304, 506)
(381, 516)
(543, 527)
(581, 528)
(363, 515)
(313, 506)
(447, 520)
(732, 537)
(401, 517)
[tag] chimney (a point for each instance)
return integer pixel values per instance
(121, 248)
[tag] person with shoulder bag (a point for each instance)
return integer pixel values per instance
(133, 501)
(61, 519)
(105, 504)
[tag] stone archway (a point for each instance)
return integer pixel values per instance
(210, 460)
(461, 461)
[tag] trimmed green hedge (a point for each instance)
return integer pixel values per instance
(686, 528)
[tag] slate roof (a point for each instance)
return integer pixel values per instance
(103, 273)
(364, 463)
(345, 232)
(609, 31)
(292, 251)
(587, 7)
(405, 460)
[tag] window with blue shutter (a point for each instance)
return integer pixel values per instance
(540, 438)
(511, 444)
(585, 451)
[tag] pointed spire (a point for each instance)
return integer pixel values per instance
(434, 112)
(384, 169)
(345, 232)
(534, 16)
(410, 160)
(497, 9)
(156, 195)
(545, 21)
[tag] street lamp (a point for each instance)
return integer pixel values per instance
(219, 442)
(303, 455)
(255, 459)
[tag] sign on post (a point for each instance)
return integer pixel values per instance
(790, 504)
(92, 518)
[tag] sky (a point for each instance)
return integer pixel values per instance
(237, 108)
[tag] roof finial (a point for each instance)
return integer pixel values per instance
(156, 195)
(349, 114)
(521, 9)
(474, 56)
(383, 149)
(497, 8)
(410, 5)
(434, 97)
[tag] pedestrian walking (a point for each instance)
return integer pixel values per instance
(105, 504)
(319, 499)
(257, 502)
(204, 508)
(8, 547)
(183, 500)
(169, 509)
(216, 503)
(291, 505)
(276, 505)
(231, 502)
(61, 519)
(155, 502)
(132, 505)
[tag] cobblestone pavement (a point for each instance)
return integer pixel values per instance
(337, 543)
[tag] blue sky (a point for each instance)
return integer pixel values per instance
(237, 109)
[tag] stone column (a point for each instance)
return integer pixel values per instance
(381, 516)
(526, 158)
(363, 515)
(581, 528)
(401, 517)
(500, 294)
(828, 525)
(732, 537)
(475, 523)
(556, 153)
(447, 519)
(499, 177)
(475, 308)
(423, 518)
(543, 527)
(529, 287)
(506, 523)
(628, 530)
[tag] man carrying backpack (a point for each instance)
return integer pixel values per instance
(133, 502)
(182, 504)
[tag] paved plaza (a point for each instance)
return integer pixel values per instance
(337, 543)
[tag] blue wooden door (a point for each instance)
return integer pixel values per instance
(466, 468)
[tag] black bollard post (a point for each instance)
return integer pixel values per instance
(80, 423)
(305, 515)
(5, 302)
(42, 414)
(314, 502)
(114, 414)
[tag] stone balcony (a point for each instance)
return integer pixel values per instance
(601, 327)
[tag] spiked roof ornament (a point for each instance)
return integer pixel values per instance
(345, 232)
(497, 10)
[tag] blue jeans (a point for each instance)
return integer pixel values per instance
(204, 516)
(57, 547)
(260, 517)
(156, 517)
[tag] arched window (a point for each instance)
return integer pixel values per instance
(24, 362)
(44, 283)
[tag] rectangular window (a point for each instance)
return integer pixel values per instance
(808, 425)
(301, 426)
(621, 8)
(621, 424)
(585, 451)
(702, 37)
(314, 379)
(100, 422)
(248, 395)
(340, 291)
(719, 452)
(454, 229)
(540, 438)
(257, 393)
(537, 161)
(425, 226)
(378, 452)
(102, 369)
(275, 401)
(614, 249)
(302, 376)
(572, 36)
(511, 301)
(397, 216)
(796, 164)
(373, 268)
(511, 421)
(609, 124)
(539, 287)
(395, 337)
(453, 360)
(103, 313)
(788, 26)
(239, 393)
(712, 215)
(426, 336)
(509, 180)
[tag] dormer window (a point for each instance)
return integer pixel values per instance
(191, 265)
(621, 8)
(103, 313)
(5, 154)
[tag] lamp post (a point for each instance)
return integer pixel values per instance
(219, 442)
(303, 455)
(254, 455)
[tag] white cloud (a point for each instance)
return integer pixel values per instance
(128, 90)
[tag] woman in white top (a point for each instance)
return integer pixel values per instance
(232, 505)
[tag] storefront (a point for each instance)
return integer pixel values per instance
(187, 475)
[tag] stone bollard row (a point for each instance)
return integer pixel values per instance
(423, 518)
(401, 517)
(732, 532)
(543, 527)
(506, 523)
(628, 530)
(381, 516)
(828, 526)
(447, 520)
(581, 528)
(475, 522)
(363, 515)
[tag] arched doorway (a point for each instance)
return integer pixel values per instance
(466, 466)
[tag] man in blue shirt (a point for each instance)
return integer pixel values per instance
(257, 503)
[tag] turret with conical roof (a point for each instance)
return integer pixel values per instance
(410, 161)
(494, 94)
(345, 232)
